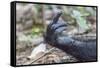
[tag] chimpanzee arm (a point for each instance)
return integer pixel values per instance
(84, 51)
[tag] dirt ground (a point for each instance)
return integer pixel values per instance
(55, 56)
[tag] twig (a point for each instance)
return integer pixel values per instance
(43, 55)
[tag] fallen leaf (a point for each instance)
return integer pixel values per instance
(40, 48)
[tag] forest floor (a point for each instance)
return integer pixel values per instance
(55, 56)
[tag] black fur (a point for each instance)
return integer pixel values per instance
(83, 51)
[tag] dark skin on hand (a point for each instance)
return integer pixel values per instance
(83, 51)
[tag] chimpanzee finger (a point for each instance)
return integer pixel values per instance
(55, 20)
(59, 30)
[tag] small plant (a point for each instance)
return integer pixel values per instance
(37, 31)
(80, 19)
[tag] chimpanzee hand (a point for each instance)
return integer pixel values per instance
(54, 29)
(84, 51)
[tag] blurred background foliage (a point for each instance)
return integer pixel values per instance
(37, 16)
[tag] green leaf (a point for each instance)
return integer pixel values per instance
(80, 19)
(82, 23)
